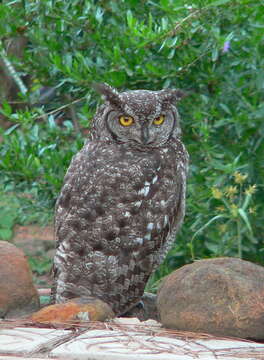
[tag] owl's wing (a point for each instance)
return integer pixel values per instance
(65, 205)
(175, 210)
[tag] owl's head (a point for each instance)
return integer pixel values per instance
(140, 117)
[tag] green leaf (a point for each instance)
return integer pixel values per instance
(244, 216)
(217, 217)
(6, 220)
(214, 248)
(225, 108)
(99, 15)
(214, 54)
(130, 19)
(44, 300)
(219, 2)
(172, 42)
(6, 109)
(171, 53)
(246, 202)
(5, 234)
(11, 129)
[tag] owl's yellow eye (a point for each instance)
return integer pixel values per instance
(159, 120)
(126, 120)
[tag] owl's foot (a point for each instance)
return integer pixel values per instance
(74, 310)
(145, 309)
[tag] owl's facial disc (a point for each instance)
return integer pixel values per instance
(146, 131)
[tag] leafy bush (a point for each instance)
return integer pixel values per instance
(29, 154)
(7, 220)
(212, 49)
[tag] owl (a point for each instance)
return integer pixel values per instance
(123, 199)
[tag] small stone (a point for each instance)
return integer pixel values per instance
(152, 323)
(221, 296)
(18, 296)
(75, 310)
(126, 321)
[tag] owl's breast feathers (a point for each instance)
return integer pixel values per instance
(117, 214)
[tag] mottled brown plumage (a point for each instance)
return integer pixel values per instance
(122, 201)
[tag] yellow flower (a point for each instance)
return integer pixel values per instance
(234, 210)
(231, 191)
(220, 208)
(251, 189)
(239, 178)
(217, 194)
(252, 210)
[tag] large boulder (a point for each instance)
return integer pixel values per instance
(222, 296)
(18, 296)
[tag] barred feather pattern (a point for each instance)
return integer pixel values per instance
(122, 202)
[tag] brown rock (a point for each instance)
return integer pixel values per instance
(222, 296)
(18, 296)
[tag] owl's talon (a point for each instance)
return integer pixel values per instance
(140, 304)
(78, 309)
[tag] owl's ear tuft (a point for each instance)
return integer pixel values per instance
(172, 95)
(109, 93)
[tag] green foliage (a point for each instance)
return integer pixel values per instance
(7, 220)
(230, 207)
(40, 264)
(28, 153)
(8, 216)
(44, 300)
(212, 49)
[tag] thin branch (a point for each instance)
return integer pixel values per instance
(59, 108)
(175, 29)
(178, 25)
(11, 70)
(73, 115)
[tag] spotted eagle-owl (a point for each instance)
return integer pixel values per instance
(123, 199)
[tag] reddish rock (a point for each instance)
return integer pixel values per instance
(18, 296)
(77, 309)
(222, 296)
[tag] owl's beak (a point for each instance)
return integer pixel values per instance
(144, 134)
